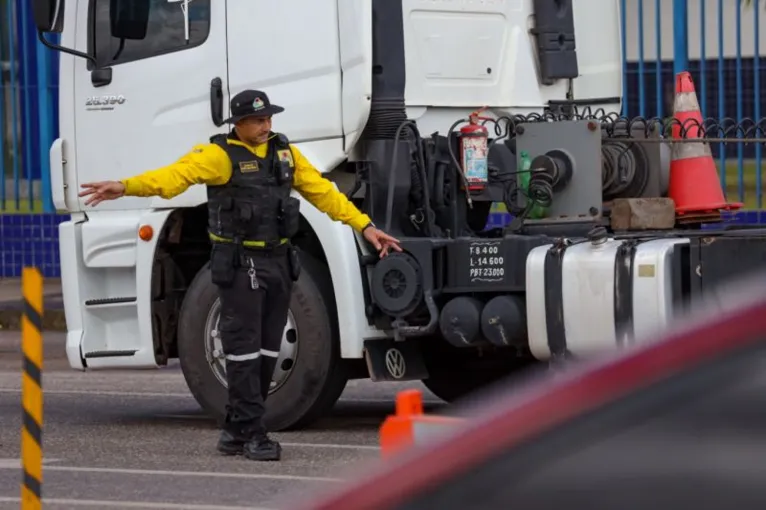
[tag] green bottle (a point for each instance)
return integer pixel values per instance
(537, 211)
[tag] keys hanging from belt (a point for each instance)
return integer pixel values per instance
(252, 275)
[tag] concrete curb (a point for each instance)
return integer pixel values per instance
(11, 313)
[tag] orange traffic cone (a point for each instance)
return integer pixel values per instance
(694, 184)
(409, 426)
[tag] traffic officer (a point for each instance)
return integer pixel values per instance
(251, 218)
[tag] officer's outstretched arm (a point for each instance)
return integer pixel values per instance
(204, 164)
(322, 194)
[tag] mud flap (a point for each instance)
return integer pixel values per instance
(388, 360)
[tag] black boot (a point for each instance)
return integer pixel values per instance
(229, 444)
(263, 449)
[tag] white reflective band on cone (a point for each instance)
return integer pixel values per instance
(422, 432)
(686, 102)
(686, 150)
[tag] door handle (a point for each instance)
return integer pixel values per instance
(216, 101)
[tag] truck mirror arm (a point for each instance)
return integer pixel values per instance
(65, 50)
(99, 77)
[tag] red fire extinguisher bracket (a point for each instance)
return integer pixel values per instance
(474, 152)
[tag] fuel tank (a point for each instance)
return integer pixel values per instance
(601, 294)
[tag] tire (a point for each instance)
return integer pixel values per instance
(318, 375)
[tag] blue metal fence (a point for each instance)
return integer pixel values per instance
(28, 126)
(717, 41)
(29, 111)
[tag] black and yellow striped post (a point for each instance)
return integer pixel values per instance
(32, 389)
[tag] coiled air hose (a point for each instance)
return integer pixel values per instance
(538, 194)
(540, 190)
(624, 169)
(535, 184)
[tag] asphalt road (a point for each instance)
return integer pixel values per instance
(118, 440)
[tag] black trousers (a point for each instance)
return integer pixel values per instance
(251, 326)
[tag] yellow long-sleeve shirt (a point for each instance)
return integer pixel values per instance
(209, 164)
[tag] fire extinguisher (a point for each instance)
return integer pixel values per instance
(474, 151)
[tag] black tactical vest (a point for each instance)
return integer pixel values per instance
(254, 207)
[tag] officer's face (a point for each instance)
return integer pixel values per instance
(254, 130)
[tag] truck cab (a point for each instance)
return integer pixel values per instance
(142, 81)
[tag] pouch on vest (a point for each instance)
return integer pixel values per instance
(295, 263)
(289, 217)
(245, 214)
(223, 264)
(284, 172)
(225, 203)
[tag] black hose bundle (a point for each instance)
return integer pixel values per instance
(418, 170)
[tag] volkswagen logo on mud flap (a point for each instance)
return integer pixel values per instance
(395, 363)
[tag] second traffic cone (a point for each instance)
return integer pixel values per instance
(694, 183)
(409, 426)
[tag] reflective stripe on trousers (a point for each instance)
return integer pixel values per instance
(252, 355)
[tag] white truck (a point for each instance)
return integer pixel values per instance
(372, 90)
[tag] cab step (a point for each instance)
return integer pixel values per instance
(109, 354)
(110, 301)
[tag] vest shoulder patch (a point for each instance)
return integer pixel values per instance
(248, 166)
(286, 155)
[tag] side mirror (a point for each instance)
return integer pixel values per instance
(129, 19)
(48, 15)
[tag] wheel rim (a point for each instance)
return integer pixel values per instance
(288, 350)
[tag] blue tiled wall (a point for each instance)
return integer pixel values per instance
(30, 240)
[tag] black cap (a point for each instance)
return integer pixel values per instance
(251, 103)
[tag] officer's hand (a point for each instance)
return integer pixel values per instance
(100, 191)
(381, 241)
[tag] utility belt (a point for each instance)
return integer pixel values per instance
(228, 256)
(248, 243)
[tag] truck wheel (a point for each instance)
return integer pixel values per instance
(309, 377)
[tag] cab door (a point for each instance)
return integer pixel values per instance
(290, 50)
(160, 100)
